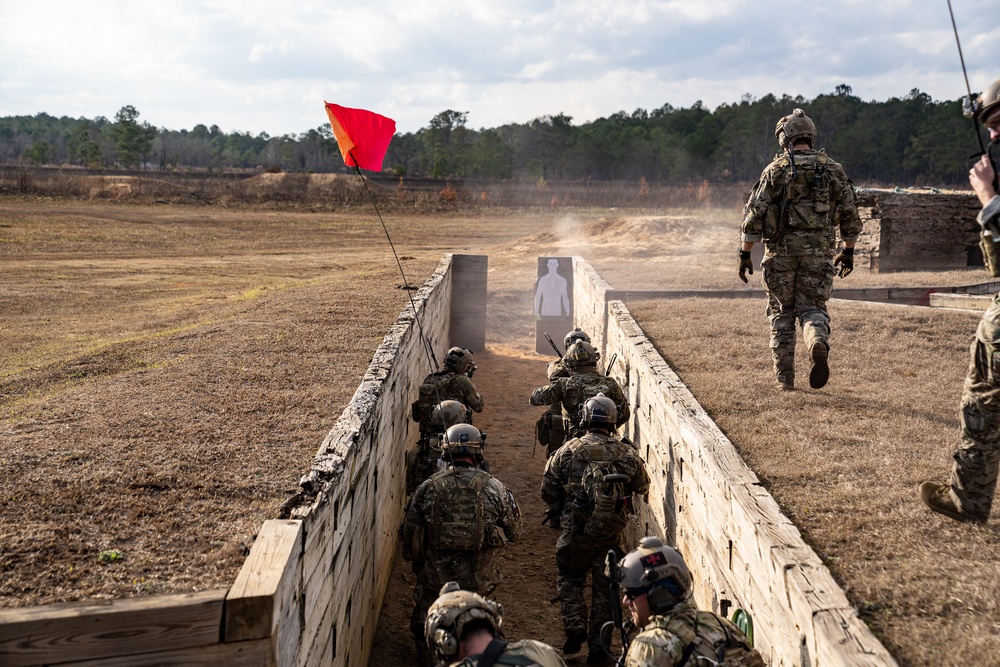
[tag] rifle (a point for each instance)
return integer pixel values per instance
(611, 364)
(549, 338)
(616, 622)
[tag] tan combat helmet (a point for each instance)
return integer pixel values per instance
(448, 413)
(796, 125)
(449, 615)
(581, 353)
(463, 439)
(458, 359)
(988, 102)
(658, 571)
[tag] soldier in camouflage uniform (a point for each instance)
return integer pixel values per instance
(464, 629)
(455, 523)
(425, 459)
(549, 428)
(969, 495)
(453, 383)
(803, 198)
(585, 382)
(583, 545)
(656, 585)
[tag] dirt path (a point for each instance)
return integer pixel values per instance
(505, 377)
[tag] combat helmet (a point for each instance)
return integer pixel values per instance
(599, 410)
(988, 102)
(448, 413)
(458, 359)
(581, 353)
(796, 125)
(463, 439)
(658, 571)
(573, 336)
(451, 612)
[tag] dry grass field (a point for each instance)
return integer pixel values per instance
(167, 372)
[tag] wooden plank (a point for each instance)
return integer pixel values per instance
(966, 301)
(255, 653)
(250, 611)
(96, 630)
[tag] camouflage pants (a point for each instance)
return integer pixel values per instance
(797, 289)
(974, 473)
(576, 555)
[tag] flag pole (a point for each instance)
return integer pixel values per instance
(428, 349)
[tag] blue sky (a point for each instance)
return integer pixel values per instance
(262, 66)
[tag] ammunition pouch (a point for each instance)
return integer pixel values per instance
(991, 252)
(542, 430)
(417, 546)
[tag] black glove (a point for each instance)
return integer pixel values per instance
(745, 265)
(470, 371)
(845, 258)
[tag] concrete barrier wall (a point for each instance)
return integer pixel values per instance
(705, 501)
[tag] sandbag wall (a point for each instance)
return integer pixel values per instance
(743, 552)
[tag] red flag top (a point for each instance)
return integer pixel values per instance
(363, 136)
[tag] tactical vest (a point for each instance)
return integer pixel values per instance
(457, 521)
(802, 203)
(707, 638)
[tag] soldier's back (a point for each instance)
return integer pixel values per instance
(700, 634)
(527, 652)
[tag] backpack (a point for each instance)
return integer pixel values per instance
(432, 391)
(601, 505)
(708, 639)
(457, 521)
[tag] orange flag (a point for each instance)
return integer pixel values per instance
(363, 136)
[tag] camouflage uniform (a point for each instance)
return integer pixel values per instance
(550, 428)
(431, 513)
(974, 473)
(798, 260)
(443, 386)
(576, 552)
(526, 652)
(574, 390)
(437, 387)
(684, 634)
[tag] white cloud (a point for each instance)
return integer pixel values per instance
(251, 65)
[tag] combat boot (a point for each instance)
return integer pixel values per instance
(786, 383)
(820, 372)
(574, 641)
(938, 497)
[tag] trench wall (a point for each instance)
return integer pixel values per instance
(311, 589)
(705, 501)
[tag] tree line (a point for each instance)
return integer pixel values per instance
(912, 140)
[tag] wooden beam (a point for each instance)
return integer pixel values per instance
(98, 630)
(254, 601)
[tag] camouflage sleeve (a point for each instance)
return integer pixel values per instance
(472, 398)
(845, 204)
(547, 395)
(755, 211)
(509, 513)
(554, 478)
(624, 412)
(557, 369)
(413, 520)
(639, 484)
